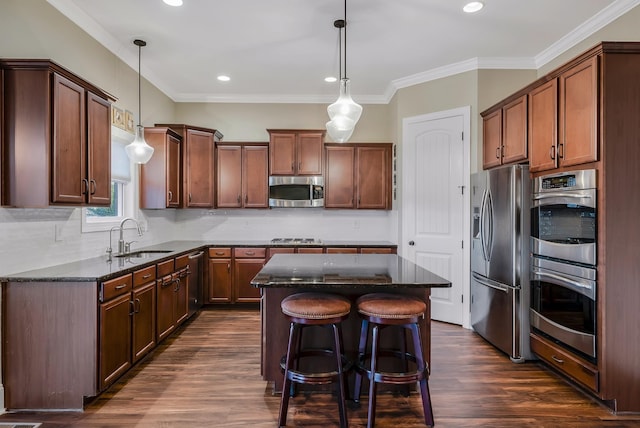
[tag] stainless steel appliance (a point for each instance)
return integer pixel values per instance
(296, 191)
(563, 260)
(500, 258)
(196, 278)
(563, 216)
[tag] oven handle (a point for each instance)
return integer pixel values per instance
(579, 287)
(561, 195)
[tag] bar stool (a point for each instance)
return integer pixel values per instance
(382, 310)
(306, 310)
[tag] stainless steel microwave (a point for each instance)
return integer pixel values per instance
(296, 191)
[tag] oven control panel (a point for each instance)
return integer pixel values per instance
(559, 182)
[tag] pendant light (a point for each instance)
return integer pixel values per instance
(344, 113)
(139, 151)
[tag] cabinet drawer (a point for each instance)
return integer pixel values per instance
(244, 253)
(144, 276)
(377, 250)
(572, 366)
(219, 253)
(115, 287)
(182, 261)
(310, 250)
(342, 250)
(166, 267)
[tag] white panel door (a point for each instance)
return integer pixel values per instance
(435, 177)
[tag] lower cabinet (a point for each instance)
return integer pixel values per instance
(143, 312)
(172, 298)
(246, 265)
(220, 276)
(115, 330)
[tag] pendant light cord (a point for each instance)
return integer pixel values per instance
(345, 39)
(139, 90)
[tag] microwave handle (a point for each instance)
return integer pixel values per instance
(561, 195)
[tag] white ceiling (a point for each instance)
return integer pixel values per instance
(281, 50)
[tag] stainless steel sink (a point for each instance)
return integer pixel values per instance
(143, 254)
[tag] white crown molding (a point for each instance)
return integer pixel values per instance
(586, 29)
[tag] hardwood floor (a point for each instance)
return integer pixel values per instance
(208, 375)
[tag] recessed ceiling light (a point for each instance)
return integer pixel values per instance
(224, 78)
(173, 2)
(330, 79)
(473, 6)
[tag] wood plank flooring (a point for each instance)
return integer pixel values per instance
(208, 375)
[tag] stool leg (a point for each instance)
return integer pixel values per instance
(375, 339)
(286, 387)
(424, 387)
(362, 347)
(403, 351)
(337, 336)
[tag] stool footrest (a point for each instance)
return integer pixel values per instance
(320, 378)
(394, 378)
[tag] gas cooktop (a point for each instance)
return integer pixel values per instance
(296, 241)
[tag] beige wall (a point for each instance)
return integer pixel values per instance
(249, 122)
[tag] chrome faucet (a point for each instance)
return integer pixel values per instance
(121, 243)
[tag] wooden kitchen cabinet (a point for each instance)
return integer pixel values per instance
(172, 298)
(242, 176)
(198, 162)
(504, 134)
(296, 152)
(563, 118)
(160, 178)
(358, 176)
(220, 276)
(57, 137)
(246, 265)
(143, 336)
(115, 330)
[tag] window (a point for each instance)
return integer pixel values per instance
(122, 191)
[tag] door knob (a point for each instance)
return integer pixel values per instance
(412, 243)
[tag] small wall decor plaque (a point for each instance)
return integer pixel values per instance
(117, 117)
(128, 122)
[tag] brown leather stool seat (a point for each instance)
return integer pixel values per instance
(379, 311)
(306, 310)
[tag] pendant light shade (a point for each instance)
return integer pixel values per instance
(139, 151)
(344, 113)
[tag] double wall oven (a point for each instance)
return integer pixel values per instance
(563, 260)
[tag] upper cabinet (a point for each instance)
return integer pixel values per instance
(57, 146)
(563, 118)
(242, 175)
(358, 176)
(198, 160)
(505, 134)
(295, 152)
(160, 178)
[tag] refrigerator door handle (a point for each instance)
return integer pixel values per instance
(489, 218)
(488, 283)
(485, 226)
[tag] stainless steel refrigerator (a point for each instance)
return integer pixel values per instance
(500, 294)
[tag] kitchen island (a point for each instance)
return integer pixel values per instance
(350, 275)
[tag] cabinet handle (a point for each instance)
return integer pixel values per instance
(146, 276)
(189, 196)
(561, 150)
(170, 195)
(219, 253)
(138, 306)
(239, 198)
(94, 186)
(177, 281)
(293, 166)
(85, 183)
(246, 198)
(299, 166)
(133, 308)
(250, 253)
(497, 152)
(228, 267)
(557, 360)
(120, 287)
(552, 152)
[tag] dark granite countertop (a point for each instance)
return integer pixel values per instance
(340, 270)
(104, 268)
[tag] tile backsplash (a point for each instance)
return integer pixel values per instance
(34, 238)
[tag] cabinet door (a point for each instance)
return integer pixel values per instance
(492, 139)
(165, 307)
(373, 177)
(339, 177)
(69, 173)
(514, 131)
(543, 130)
(579, 114)
(255, 176)
(309, 153)
(282, 154)
(182, 296)
(198, 169)
(244, 271)
(229, 172)
(99, 150)
(144, 320)
(115, 339)
(220, 281)
(173, 172)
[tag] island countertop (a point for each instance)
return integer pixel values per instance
(344, 270)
